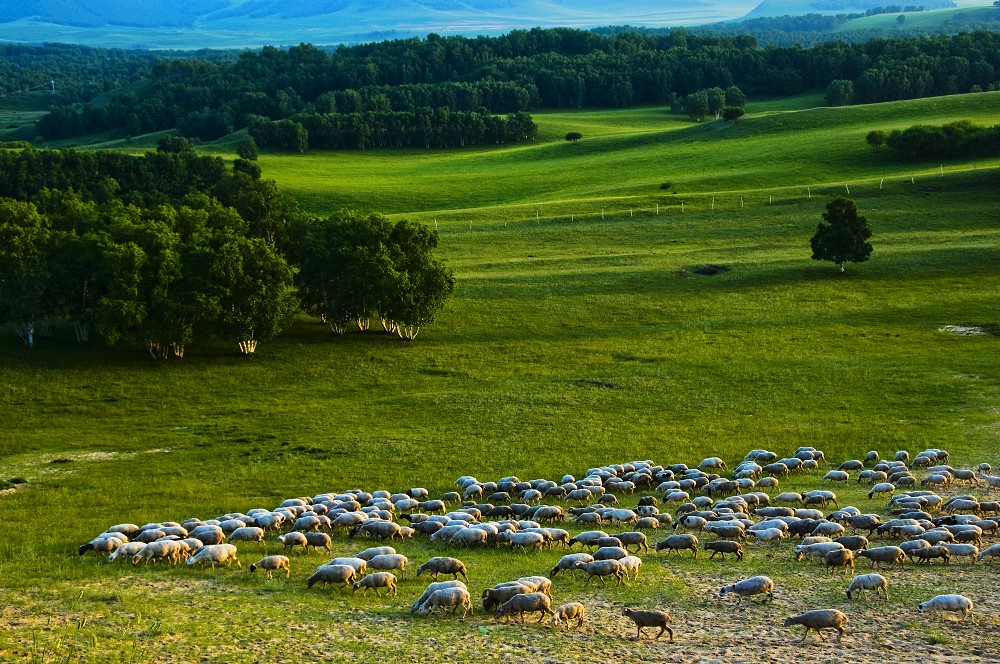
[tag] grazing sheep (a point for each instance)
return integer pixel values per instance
(863, 582)
(377, 580)
(678, 542)
(102, 545)
(569, 612)
(942, 603)
(569, 561)
(722, 547)
(246, 534)
(272, 563)
(443, 565)
(360, 566)
(587, 538)
(818, 550)
(819, 619)
(836, 476)
(429, 590)
(631, 564)
(126, 551)
(526, 603)
(293, 539)
(215, 553)
(991, 552)
(925, 555)
(318, 540)
(387, 562)
(445, 598)
(755, 585)
(647, 618)
(890, 555)
(343, 574)
(540, 584)
(610, 553)
(633, 538)
(840, 558)
(601, 569)
(161, 549)
(962, 550)
(497, 595)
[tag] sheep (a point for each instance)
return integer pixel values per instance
(961, 550)
(467, 537)
(883, 554)
(819, 619)
(768, 534)
(360, 566)
(126, 551)
(631, 564)
(587, 537)
(942, 603)
(102, 545)
(818, 550)
(882, 488)
(755, 585)
(429, 590)
(691, 522)
(443, 565)
(633, 538)
(836, 476)
(569, 612)
(246, 534)
(840, 558)
(648, 618)
(318, 540)
(926, 554)
(343, 574)
(722, 547)
(377, 580)
(863, 582)
(497, 595)
(293, 539)
(601, 569)
(853, 542)
(569, 561)
(610, 553)
(678, 542)
(215, 553)
(448, 597)
(159, 550)
(388, 562)
(992, 551)
(271, 563)
(526, 603)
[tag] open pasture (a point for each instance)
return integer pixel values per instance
(572, 341)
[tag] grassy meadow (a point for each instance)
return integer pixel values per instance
(572, 341)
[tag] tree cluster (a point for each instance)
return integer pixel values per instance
(955, 139)
(425, 128)
(712, 101)
(525, 69)
(172, 249)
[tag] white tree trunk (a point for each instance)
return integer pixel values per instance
(364, 324)
(27, 333)
(248, 346)
(82, 332)
(408, 332)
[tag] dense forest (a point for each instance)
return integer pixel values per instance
(515, 73)
(172, 249)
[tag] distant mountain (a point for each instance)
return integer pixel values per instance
(769, 8)
(238, 23)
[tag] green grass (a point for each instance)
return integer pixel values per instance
(572, 341)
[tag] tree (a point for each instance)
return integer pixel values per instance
(716, 101)
(25, 266)
(876, 138)
(839, 92)
(844, 236)
(695, 105)
(732, 113)
(247, 149)
(574, 136)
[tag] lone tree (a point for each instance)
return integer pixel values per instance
(573, 136)
(844, 236)
(732, 114)
(877, 138)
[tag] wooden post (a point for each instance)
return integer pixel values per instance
(848, 189)
(602, 213)
(435, 224)
(631, 213)
(713, 202)
(810, 192)
(741, 201)
(769, 201)
(657, 208)
(682, 207)
(880, 183)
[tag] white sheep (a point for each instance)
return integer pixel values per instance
(755, 585)
(246, 534)
(942, 603)
(631, 564)
(569, 612)
(215, 553)
(429, 590)
(342, 574)
(272, 563)
(863, 582)
(377, 580)
(293, 539)
(445, 598)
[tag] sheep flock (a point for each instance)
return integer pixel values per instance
(610, 523)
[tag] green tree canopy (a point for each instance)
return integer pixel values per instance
(876, 138)
(844, 236)
(732, 114)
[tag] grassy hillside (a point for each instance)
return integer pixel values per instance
(623, 159)
(572, 341)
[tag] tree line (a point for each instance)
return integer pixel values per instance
(425, 128)
(962, 138)
(173, 249)
(520, 71)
